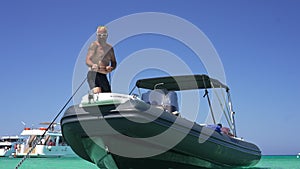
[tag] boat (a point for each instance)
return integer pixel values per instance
(8, 145)
(147, 130)
(49, 143)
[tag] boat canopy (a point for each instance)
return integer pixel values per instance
(176, 83)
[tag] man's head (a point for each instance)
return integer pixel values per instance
(102, 33)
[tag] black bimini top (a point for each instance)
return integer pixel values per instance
(176, 83)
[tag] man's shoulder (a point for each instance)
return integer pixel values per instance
(109, 45)
(94, 43)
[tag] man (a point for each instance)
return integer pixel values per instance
(101, 60)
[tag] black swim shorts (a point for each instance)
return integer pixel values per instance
(96, 79)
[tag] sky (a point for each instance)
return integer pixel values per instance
(257, 42)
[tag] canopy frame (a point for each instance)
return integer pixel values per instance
(177, 83)
(189, 82)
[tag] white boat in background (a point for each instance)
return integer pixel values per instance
(8, 145)
(51, 145)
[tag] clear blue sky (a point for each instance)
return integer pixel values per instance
(257, 41)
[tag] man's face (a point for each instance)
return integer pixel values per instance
(102, 35)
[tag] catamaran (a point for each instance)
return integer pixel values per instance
(119, 131)
(8, 145)
(52, 144)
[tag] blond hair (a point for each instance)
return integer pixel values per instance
(101, 27)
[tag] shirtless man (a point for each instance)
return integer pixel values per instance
(101, 60)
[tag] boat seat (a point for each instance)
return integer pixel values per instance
(161, 97)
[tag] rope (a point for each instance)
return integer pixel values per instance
(37, 140)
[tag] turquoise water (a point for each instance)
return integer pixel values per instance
(267, 162)
(46, 163)
(278, 162)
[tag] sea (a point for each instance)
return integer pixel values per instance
(267, 162)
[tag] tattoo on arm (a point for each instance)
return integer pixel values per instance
(90, 53)
(92, 47)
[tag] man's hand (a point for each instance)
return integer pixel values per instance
(109, 68)
(94, 67)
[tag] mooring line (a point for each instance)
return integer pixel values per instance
(37, 140)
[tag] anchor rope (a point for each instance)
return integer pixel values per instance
(37, 140)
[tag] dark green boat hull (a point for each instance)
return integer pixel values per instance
(87, 132)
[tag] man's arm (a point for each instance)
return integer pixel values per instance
(113, 59)
(90, 53)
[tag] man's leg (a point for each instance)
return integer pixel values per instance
(92, 81)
